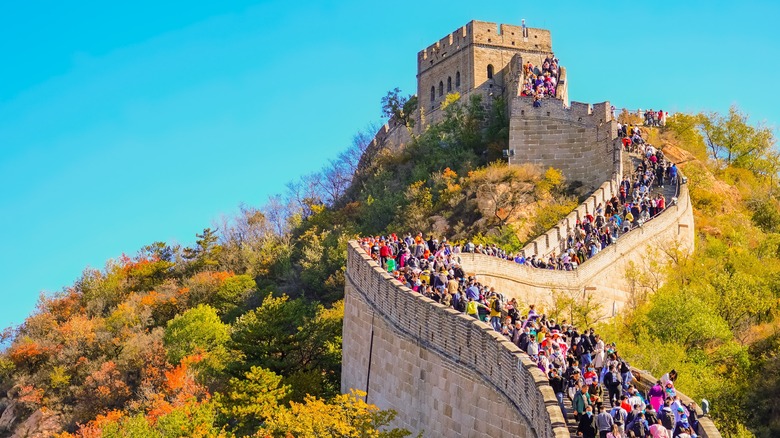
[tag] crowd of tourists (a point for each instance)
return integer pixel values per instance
(541, 81)
(655, 118)
(580, 365)
(635, 204)
(594, 373)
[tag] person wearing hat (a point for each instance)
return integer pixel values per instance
(682, 426)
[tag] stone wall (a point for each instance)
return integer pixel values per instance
(602, 276)
(554, 240)
(444, 373)
(578, 140)
(392, 135)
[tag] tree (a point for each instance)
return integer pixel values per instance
(401, 108)
(247, 402)
(292, 338)
(198, 331)
(416, 212)
(583, 310)
(232, 294)
(739, 299)
(206, 252)
(732, 140)
(103, 390)
(346, 416)
(681, 316)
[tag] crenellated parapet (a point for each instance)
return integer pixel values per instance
(500, 36)
(446, 374)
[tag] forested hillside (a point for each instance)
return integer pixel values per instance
(714, 319)
(239, 333)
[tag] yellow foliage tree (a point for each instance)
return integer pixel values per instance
(346, 416)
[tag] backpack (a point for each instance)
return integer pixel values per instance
(624, 367)
(619, 417)
(640, 430)
(496, 305)
(609, 379)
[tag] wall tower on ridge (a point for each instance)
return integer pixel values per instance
(479, 57)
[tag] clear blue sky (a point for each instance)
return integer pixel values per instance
(125, 123)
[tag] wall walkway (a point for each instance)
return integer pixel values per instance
(602, 276)
(445, 374)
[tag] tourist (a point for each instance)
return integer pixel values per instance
(587, 424)
(580, 402)
(604, 422)
(615, 432)
(558, 385)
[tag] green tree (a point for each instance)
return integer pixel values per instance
(232, 294)
(293, 338)
(732, 140)
(205, 254)
(416, 212)
(247, 402)
(681, 316)
(198, 331)
(400, 107)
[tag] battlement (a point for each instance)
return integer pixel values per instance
(578, 112)
(496, 35)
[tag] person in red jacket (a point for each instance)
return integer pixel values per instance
(385, 252)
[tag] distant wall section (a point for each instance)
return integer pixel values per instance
(392, 135)
(603, 276)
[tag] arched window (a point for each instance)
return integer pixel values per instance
(490, 71)
(441, 88)
(457, 79)
(449, 84)
(433, 93)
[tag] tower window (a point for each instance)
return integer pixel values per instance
(457, 79)
(449, 84)
(441, 88)
(433, 94)
(490, 71)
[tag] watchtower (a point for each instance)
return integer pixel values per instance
(479, 57)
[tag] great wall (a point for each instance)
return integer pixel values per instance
(449, 375)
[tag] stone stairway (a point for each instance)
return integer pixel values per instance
(571, 423)
(632, 160)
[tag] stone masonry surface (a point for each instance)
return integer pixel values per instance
(445, 374)
(577, 140)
